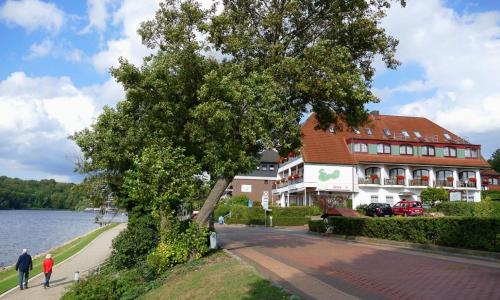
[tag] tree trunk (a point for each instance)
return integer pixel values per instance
(213, 198)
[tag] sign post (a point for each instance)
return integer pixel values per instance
(265, 205)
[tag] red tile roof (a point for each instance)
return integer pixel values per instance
(489, 172)
(325, 147)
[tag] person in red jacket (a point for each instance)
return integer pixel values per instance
(48, 263)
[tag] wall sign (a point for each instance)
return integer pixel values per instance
(246, 188)
(324, 176)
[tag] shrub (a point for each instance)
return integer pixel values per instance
(485, 208)
(282, 216)
(179, 247)
(361, 208)
(431, 195)
(317, 226)
(133, 244)
(464, 232)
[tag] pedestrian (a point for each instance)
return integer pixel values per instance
(24, 265)
(48, 263)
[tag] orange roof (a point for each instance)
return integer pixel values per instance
(489, 172)
(325, 147)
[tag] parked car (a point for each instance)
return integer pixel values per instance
(408, 208)
(378, 210)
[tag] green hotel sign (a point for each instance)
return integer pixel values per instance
(324, 176)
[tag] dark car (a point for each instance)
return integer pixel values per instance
(378, 210)
(408, 208)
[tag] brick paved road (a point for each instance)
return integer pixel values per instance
(322, 268)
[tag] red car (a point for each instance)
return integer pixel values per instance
(408, 208)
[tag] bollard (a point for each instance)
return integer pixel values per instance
(77, 276)
(213, 240)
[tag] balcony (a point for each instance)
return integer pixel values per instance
(394, 181)
(444, 183)
(369, 180)
(419, 182)
(468, 183)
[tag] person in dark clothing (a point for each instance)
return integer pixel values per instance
(24, 265)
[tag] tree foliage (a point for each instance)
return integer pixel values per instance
(495, 160)
(431, 195)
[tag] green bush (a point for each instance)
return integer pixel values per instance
(286, 216)
(361, 208)
(317, 226)
(133, 244)
(485, 208)
(463, 232)
(431, 195)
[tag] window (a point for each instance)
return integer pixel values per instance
(331, 129)
(395, 173)
(428, 150)
(356, 130)
(389, 199)
(466, 175)
(447, 136)
(450, 151)
(406, 150)
(264, 167)
(422, 173)
(470, 153)
(405, 133)
(374, 199)
(266, 182)
(360, 147)
(372, 171)
(384, 148)
(417, 134)
(368, 131)
(444, 175)
(387, 132)
(271, 167)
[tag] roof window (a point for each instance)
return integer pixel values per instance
(447, 136)
(405, 133)
(387, 132)
(356, 130)
(417, 134)
(368, 131)
(331, 129)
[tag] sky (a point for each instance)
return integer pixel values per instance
(55, 57)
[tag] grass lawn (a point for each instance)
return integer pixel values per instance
(218, 276)
(10, 278)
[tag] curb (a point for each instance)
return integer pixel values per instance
(458, 252)
(41, 273)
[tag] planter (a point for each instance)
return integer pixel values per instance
(425, 178)
(374, 176)
(449, 179)
(400, 177)
(472, 179)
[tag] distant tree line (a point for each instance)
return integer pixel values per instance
(29, 194)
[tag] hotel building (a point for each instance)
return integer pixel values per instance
(389, 159)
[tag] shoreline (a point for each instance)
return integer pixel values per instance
(7, 268)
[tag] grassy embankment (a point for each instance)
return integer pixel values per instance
(218, 276)
(9, 278)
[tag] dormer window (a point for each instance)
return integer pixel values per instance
(360, 147)
(417, 134)
(406, 150)
(368, 131)
(470, 153)
(450, 152)
(356, 130)
(384, 148)
(428, 151)
(405, 133)
(387, 132)
(331, 129)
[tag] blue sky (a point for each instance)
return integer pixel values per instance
(55, 56)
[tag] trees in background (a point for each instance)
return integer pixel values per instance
(25, 194)
(495, 160)
(431, 195)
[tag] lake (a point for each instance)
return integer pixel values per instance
(39, 230)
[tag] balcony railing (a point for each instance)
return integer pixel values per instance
(287, 183)
(463, 183)
(444, 183)
(368, 180)
(419, 182)
(394, 181)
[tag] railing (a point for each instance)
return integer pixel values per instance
(444, 183)
(288, 182)
(368, 180)
(463, 183)
(394, 181)
(419, 182)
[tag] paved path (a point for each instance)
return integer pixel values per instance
(315, 267)
(63, 274)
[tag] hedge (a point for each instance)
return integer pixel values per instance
(317, 226)
(282, 216)
(462, 232)
(485, 208)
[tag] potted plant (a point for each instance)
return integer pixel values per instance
(373, 177)
(425, 178)
(290, 177)
(472, 179)
(449, 178)
(296, 176)
(400, 177)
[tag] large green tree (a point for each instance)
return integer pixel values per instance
(226, 85)
(495, 160)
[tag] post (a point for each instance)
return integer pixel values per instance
(265, 217)
(270, 221)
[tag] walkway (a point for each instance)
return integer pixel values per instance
(63, 274)
(315, 267)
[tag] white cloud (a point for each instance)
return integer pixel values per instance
(98, 15)
(47, 48)
(40, 49)
(32, 14)
(460, 58)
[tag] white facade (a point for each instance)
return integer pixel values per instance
(310, 183)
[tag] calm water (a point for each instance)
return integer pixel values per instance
(39, 231)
